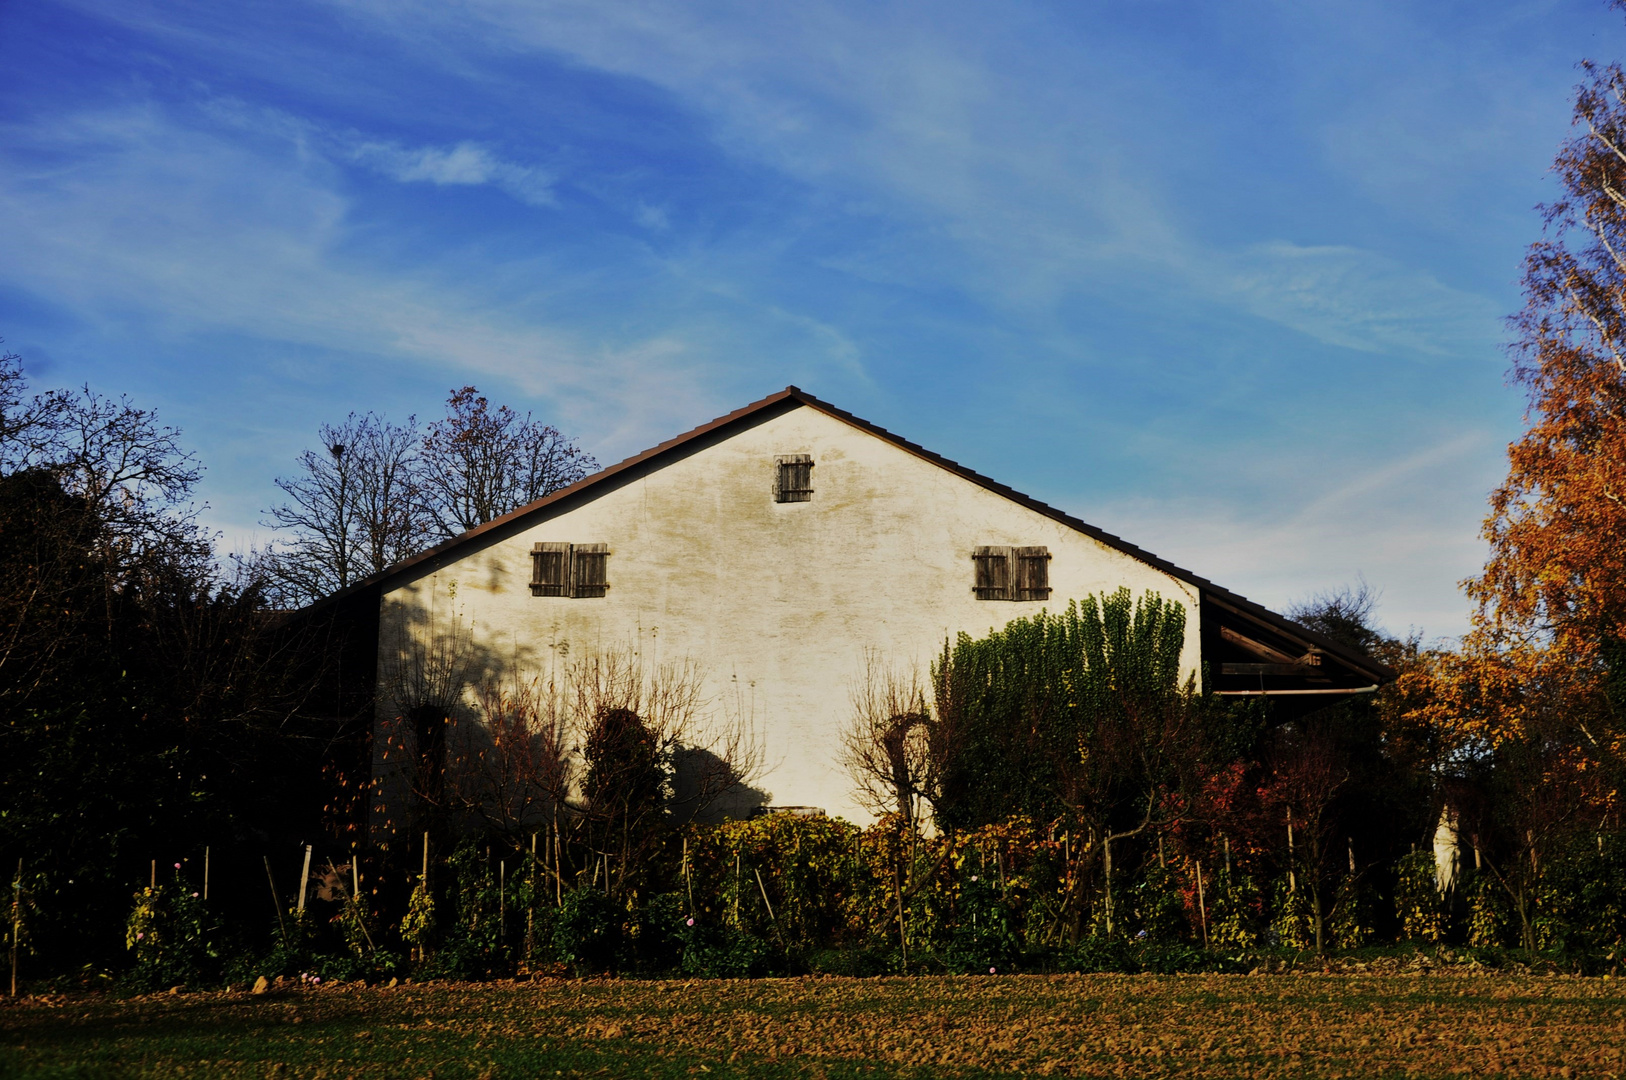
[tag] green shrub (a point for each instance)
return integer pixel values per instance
(588, 931)
(1099, 954)
(175, 939)
(719, 951)
(1418, 904)
(984, 936)
(1290, 926)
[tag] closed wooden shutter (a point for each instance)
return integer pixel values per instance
(793, 478)
(590, 565)
(1032, 573)
(993, 576)
(550, 569)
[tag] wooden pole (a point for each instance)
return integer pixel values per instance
(152, 882)
(276, 901)
(206, 872)
(1202, 906)
(1292, 879)
(16, 922)
(304, 879)
(688, 882)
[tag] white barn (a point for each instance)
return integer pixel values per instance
(779, 544)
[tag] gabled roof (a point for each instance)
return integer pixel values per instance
(1232, 605)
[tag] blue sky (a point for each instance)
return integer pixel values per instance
(1227, 279)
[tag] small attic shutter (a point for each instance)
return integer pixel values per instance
(993, 576)
(1032, 573)
(550, 569)
(793, 478)
(590, 569)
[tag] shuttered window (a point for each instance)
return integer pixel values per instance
(1031, 573)
(579, 570)
(993, 565)
(590, 569)
(1011, 573)
(550, 569)
(793, 478)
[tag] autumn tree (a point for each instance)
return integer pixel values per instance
(1538, 678)
(1556, 577)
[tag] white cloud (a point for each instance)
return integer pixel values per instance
(467, 164)
(1408, 524)
(1012, 165)
(130, 217)
(1359, 300)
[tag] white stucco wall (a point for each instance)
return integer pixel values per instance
(778, 601)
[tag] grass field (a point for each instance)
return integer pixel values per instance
(1079, 1025)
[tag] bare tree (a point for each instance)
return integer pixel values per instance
(479, 463)
(355, 508)
(512, 755)
(97, 502)
(886, 744)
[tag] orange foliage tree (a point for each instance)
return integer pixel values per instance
(1556, 577)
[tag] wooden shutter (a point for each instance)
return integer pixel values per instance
(993, 578)
(590, 569)
(1031, 573)
(793, 478)
(550, 569)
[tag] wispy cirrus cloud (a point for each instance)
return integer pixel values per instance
(466, 164)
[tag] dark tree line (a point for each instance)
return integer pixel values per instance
(156, 703)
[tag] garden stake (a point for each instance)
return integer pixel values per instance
(688, 884)
(206, 872)
(424, 880)
(1292, 882)
(276, 902)
(152, 882)
(502, 902)
(903, 934)
(769, 904)
(1227, 840)
(16, 922)
(304, 879)
(1202, 908)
